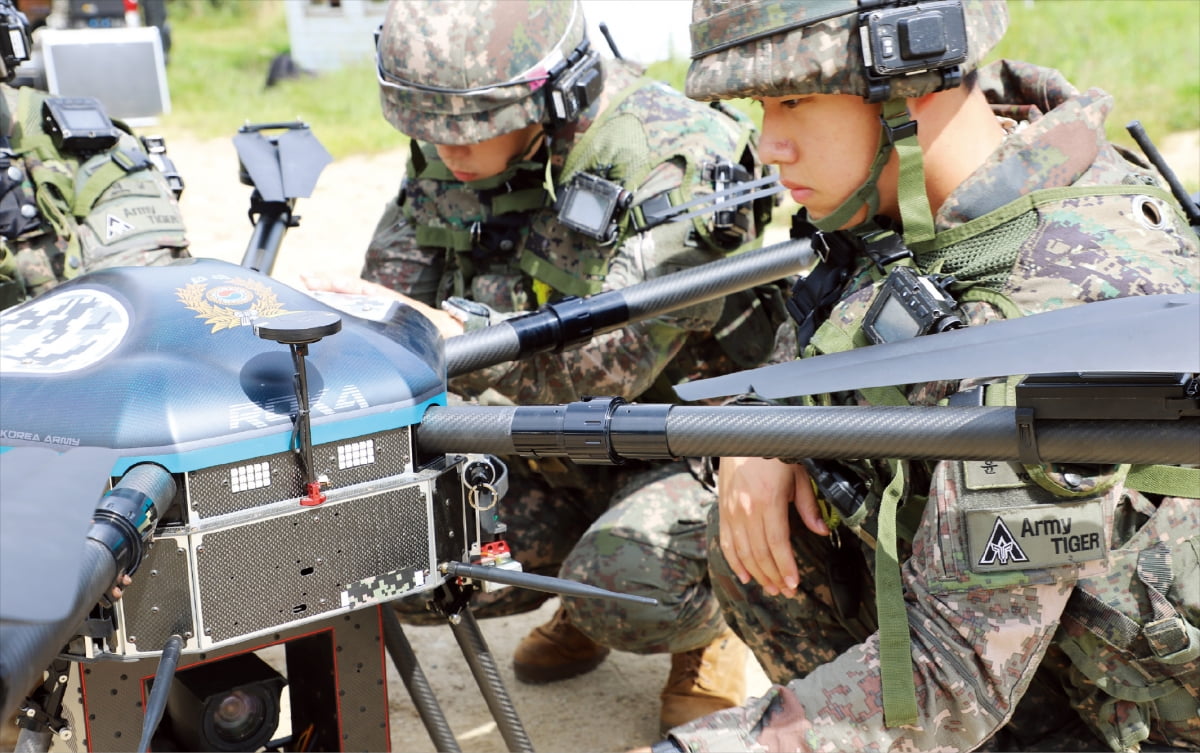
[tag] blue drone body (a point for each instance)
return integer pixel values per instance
(162, 364)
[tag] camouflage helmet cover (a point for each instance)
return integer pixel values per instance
(464, 71)
(817, 50)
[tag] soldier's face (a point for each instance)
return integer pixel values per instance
(824, 145)
(489, 158)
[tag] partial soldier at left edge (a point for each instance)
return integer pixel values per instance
(78, 191)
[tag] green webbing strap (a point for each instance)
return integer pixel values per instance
(915, 213)
(58, 217)
(895, 645)
(540, 269)
(829, 338)
(519, 201)
(94, 186)
(867, 194)
(1167, 480)
(443, 237)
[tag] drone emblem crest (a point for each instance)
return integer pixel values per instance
(230, 303)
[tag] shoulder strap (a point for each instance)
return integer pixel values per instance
(1167, 480)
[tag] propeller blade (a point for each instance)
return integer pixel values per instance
(1138, 334)
(260, 159)
(301, 160)
(46, 504)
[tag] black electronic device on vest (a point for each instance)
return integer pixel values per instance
(78, 124)
(589, 205)
(909, 305)
(14, 38)
(901, 40)
(575, 83)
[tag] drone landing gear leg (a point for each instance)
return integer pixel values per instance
(450, 601)
(40, 718)
(487, 677)
(29, 741)
(418, 687)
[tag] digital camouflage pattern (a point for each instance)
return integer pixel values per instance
(498, 242)
(656, 529)
(464, 71)
(823, 55)
(1063, 658)
(443, 238)
(640, 519)
(118, 219)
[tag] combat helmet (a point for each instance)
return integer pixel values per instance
(881, 50)
(463, 71)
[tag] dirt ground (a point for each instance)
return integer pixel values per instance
(612, 708)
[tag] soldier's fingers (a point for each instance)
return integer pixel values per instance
(729, 548)
(787, 575)
(730, 517)
(346, 284)
(774, 551)
(806, 504)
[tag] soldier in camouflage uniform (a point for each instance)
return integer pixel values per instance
(476, 229)
(65, 213)
(983, 638)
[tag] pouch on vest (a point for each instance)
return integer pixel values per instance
(1132, 637)
(110, 208)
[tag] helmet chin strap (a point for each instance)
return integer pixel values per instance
(898, 131)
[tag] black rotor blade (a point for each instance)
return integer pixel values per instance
(301, 160)
(46, 504)
(260, 159)
(1138, 334)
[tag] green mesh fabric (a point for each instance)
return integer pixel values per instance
(622, 144)
(985, 260)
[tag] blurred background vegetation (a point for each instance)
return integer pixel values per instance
(1144, 52)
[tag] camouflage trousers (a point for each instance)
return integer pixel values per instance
(649, 543)
(834, 609)
(636, 529)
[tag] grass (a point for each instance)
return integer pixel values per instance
(220, 56)
(1144, 52)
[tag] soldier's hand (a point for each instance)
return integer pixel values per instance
(447, 325)
(754, 496)
(118, 590)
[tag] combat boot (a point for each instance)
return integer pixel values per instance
(704, 680)
(556, 651)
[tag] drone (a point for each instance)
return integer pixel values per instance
(273, 468)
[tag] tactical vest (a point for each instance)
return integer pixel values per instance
(986, 257)
(93, 211)
(505, 246)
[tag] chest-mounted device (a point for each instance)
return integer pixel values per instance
(910, 305)
(589, 205)
(78, 125)
(906, 39)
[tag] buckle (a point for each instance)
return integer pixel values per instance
(129, 161)
(905, 130)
